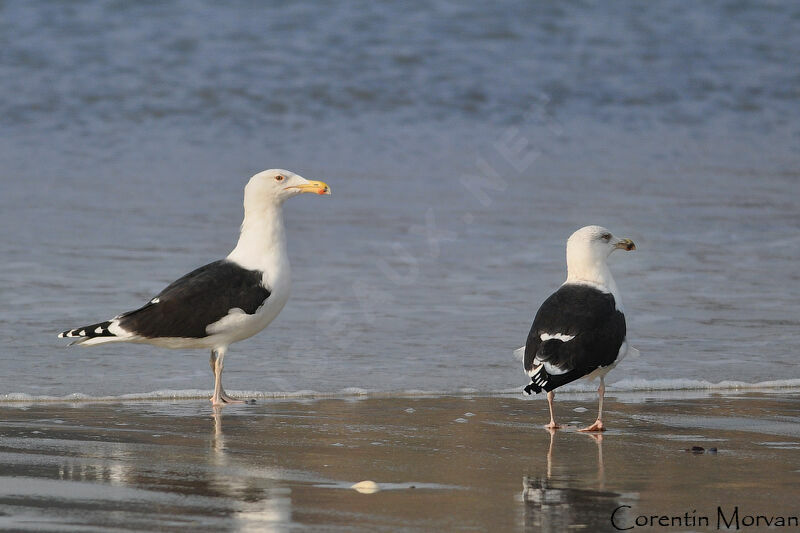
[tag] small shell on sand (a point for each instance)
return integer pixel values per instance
(366, 487)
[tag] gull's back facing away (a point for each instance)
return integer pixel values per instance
(579, 331)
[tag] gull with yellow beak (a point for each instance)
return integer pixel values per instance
(225, 301)
(579, 331)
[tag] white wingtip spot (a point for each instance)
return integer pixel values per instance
(98, 330)
(155, 300)
(82, 333)
(558, 336)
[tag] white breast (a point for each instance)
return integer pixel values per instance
(238, 325)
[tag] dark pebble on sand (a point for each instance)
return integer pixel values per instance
(699, 449)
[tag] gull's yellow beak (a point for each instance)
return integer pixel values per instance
(318, 187)
(626, 244)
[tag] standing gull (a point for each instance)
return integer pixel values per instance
(225, 301)
(579, 331)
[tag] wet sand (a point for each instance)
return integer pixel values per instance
(441, 463)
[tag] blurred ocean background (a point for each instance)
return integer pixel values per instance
(463, 143)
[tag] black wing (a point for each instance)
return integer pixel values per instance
(187, 306)
(585, 313)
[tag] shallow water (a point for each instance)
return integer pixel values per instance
(128, 130)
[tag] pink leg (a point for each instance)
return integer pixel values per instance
(220, 397)
(598, 424)
(552, 424)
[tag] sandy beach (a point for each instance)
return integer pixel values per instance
(440, 463)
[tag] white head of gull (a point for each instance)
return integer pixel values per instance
(588, 250)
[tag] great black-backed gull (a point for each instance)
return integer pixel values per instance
(579, 331)
(225, 301)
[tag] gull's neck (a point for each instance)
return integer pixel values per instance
(262, 241)
(585, 270)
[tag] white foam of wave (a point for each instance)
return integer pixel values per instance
(676, 385)
(638, 384)
(630, 385)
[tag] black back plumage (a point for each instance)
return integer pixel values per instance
(587, 314)
(209, 292)
(188, 305)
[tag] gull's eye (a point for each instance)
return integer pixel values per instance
(279, 178)
(606, 237)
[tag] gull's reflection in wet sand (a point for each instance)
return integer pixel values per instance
(218, 437)
(601, 470)
(259, 500)
(558, 502)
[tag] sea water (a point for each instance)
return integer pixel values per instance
(463, 144)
